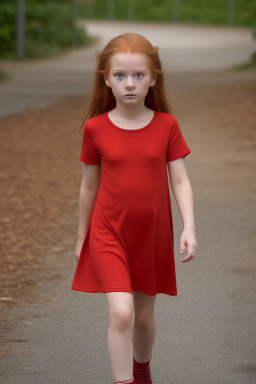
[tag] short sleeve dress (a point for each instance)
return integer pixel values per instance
(128, 245)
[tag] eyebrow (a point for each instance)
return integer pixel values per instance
(123, 70)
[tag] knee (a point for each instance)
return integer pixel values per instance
(122, 318)
(144, 319)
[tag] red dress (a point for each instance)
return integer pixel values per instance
(128, 245)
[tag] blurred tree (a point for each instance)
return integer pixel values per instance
(48, 28)
(130, 9)
(231, 12)
(73, 21)
(111, 9)
(175, 10)
(215, 12)
(20, 28)
(7, 28)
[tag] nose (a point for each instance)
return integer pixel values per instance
(130, 83)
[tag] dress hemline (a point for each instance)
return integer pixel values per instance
(118, 289)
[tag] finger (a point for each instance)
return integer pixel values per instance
(187, 258)
(182, 246)
(191, 250)
(190, 255)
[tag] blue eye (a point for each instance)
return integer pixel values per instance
(119, 75)
(139, 75)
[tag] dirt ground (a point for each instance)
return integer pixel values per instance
(40, 178)
(41, 175)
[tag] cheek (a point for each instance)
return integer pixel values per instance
(145, 85)
(116, 88)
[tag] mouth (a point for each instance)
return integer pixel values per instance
(130, 94)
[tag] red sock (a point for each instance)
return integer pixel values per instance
(141, 372)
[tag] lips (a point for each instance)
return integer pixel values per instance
(130, 94)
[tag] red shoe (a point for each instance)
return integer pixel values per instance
(141, 372)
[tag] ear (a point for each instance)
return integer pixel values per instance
(152, 83)
(107, 81)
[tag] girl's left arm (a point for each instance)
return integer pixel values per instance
(182, 191)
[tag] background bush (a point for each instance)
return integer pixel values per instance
(48, 28)
(49, 24)
(191, 11)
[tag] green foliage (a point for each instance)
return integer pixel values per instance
(154, 10)
(204, 12)
(246, 12)
(48, 28)
(191, 11)
(7, 28)
(49, 24)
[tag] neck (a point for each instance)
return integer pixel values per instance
(131, 113)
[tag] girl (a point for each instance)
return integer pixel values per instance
(125, 236)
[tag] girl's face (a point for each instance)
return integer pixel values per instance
(129, 78)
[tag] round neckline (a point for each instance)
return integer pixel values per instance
(129, 130)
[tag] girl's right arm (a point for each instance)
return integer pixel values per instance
(88, 192)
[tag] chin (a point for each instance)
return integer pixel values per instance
(131, 102)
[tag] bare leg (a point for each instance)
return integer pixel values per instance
(121, 321)
(144, 326)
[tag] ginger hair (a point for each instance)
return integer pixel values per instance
(102, 99)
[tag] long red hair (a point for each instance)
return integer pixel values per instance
(102, 99)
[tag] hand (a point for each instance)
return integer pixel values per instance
(78, 248)
(188, 238)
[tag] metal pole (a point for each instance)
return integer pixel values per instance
(73, 21)
(111, 9)
(176, 10)
(231, 12)
(20, 28)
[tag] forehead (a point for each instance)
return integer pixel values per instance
(128, 60)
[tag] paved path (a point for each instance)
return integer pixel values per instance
(183, 49)
(205, 334)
